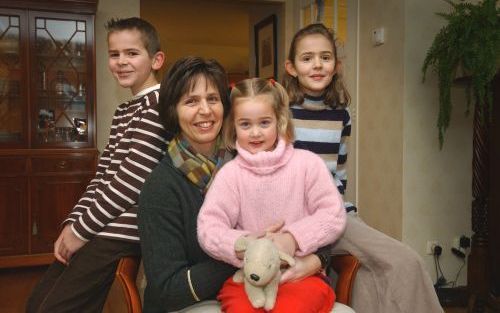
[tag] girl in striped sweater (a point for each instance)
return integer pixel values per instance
(391, 274)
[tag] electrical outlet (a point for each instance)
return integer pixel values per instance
(430, 246)
(456, 243)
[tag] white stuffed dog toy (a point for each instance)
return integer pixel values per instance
(261, 270)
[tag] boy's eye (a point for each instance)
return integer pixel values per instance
(132, 53)
(306, 59)
(114, 55)
(326, 57)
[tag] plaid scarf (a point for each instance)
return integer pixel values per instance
(199, 169)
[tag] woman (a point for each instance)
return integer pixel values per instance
(193, 103)
(193, 98)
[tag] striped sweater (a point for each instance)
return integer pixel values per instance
(324, 131)
(108, 208)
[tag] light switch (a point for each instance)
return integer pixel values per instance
(378, 36)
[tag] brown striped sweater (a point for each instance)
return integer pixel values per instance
(137, 142)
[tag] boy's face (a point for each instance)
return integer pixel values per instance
(129, 61)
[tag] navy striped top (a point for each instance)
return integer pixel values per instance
(324, 131)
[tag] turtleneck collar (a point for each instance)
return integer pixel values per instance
(314, 98)
(265, 162)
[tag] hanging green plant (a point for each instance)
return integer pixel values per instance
(470, 42)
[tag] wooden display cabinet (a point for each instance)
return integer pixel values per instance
(47, 122)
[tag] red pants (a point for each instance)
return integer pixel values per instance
(312, 294)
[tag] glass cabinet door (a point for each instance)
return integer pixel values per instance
(13, 88)
(60, 96)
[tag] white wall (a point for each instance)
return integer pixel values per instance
(437, 191)
(380, 108)
(109, 93)
(408, 188)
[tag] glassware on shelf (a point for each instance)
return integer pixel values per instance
(43, 78)
(81, 90)
(59, 84)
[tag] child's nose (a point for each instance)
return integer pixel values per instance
(254, 132)
(317, 62)
(122, 59)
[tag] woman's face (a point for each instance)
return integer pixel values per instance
(200, 113)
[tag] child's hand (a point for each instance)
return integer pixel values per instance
(67, 244)
(285, 242)
(304, 267)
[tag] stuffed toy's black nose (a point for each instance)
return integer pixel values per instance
(254, 277)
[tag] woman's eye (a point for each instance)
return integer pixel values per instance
(213, 99)
(190, 102)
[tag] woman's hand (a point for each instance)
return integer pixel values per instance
(66, 245)
(273, 229)
(285, 242)
(304, 266)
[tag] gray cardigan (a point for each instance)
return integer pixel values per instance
(168, 209)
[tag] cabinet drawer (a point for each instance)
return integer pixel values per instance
(12, 165)
(84, 163)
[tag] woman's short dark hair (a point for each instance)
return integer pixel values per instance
(181, 78)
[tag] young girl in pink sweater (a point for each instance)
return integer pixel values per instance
(268, 183)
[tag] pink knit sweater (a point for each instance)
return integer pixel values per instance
(254, 191)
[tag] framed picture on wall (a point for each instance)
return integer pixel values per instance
(266, 48)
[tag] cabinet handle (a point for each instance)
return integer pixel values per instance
(34, 229)
(62, 164)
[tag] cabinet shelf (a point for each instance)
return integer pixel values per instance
(45, 162)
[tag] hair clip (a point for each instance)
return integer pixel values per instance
(272, 81)
(231, 86)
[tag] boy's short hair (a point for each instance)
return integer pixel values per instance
(149, 35)
(181, 78)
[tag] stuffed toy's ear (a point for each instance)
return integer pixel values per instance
(241, 244)
(287, 258)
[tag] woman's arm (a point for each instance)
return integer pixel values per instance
(308, 265)
(179, 274)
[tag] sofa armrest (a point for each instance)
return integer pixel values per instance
(346, 267)
(126, 275)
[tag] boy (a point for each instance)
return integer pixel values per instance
(102, 227)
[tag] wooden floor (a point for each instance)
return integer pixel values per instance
(16, 285)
